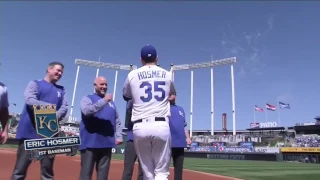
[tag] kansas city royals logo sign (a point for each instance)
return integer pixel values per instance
(46, 122)
(47, 126)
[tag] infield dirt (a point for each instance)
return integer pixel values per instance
(69, 167)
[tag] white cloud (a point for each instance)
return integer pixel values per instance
(270, 22)
(248, 47)
(285, 97)
(248, 38)
(283, 90)
(242, 72)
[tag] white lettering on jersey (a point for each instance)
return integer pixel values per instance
(149, 88)
(151, 74)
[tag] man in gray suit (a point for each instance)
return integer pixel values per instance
(130, 155)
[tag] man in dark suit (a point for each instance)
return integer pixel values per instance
(4, 113)
(130, 155)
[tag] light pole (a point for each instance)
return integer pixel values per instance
(97, 73)
(117, 67)
(212, 98)
(209, 64)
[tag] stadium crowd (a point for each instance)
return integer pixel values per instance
(307, 141)
(225, 138)
(298, 141)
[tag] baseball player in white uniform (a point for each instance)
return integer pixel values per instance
(149, 87)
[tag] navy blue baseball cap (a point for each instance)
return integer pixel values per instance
(148, 53)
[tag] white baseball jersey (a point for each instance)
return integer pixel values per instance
(149, 87)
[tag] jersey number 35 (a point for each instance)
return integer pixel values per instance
(156, 88)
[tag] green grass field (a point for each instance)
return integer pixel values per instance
(253, 170)
(250, 170)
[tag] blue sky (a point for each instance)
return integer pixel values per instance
(276, 45)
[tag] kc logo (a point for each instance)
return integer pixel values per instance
(46, 122)
(58, 93)
(111, 105)
(181, 114)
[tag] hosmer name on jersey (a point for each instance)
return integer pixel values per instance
(151, 74)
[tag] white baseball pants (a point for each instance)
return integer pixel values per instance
(152, 141)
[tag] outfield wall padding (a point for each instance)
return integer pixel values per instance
(313, 158)
(302, 157)
(12, 141)
(233, 156)
(222, 155)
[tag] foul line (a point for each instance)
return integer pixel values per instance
(13, 151)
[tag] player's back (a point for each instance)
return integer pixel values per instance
(150, 86)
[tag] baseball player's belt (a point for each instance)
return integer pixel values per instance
(155, 119)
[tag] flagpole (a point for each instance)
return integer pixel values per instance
(254, 113)
(266, 111)
(279, 121)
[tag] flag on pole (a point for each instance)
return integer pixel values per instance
(270, 107)
(284, 105)
(257, 108)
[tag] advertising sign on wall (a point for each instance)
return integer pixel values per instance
(202, 149)
(267, 149)
(254, 125)
(237, 149)
(268, 124)
(117, 150)
(72, 119)
(222, 149)
(301, 149)
(263, 125)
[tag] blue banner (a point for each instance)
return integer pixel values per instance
(194, 144)
(246, 144)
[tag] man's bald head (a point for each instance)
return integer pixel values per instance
(100, 85)
(99, 79)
